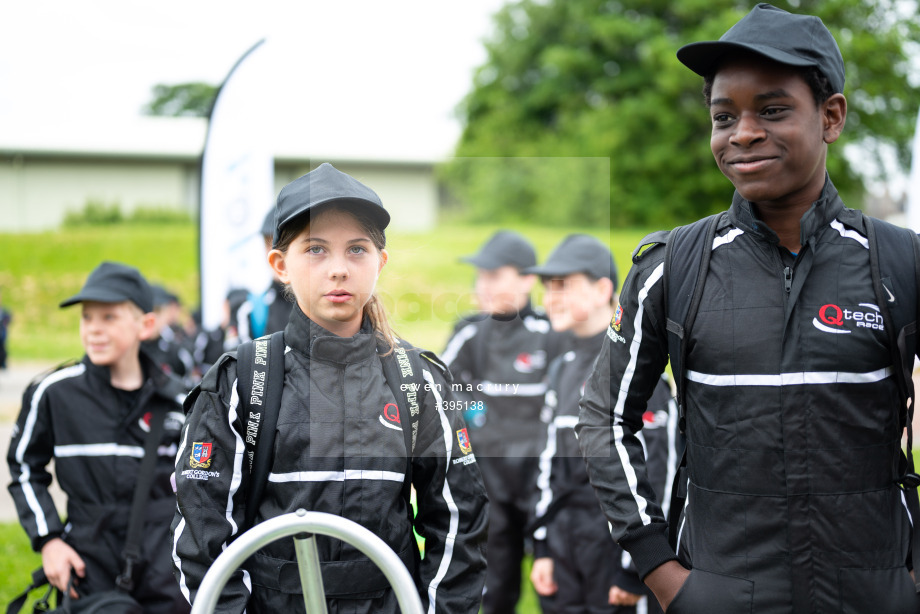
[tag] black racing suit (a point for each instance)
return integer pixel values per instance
(793, 426)
(501, 364)
(96, 435)
(337, 450)
(573, 532)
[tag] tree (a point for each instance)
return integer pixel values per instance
(599, 79)
(182, 99)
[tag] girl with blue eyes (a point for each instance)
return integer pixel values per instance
(339, 445)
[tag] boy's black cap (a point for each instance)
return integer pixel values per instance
(504, 248)
(162, 296)
(325, 185)
(578, 253)
(787, 38)
(268, 223)
(112, 282)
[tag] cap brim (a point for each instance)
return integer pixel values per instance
(98, 296)
(558, 270)
(704, 57)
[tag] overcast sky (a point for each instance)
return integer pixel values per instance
(399, 62)
(392, 71)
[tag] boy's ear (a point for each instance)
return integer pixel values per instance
(605, 289)
(148, 326)
(834, 116)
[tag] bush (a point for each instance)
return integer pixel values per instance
(159, 215)
(96, 213)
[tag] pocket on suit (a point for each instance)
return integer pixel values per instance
(705, 592)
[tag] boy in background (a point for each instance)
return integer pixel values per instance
(92, 418)
(577, 564)
(500, 354)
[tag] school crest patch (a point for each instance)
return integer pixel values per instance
(201, 455)
(463, 439)
(617, 318)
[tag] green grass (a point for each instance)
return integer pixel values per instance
(424, 286)
(40, 270)
(17, 562)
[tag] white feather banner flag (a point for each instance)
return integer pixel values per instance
(237, 185)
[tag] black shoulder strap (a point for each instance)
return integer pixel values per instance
(402, 370)
(407, 385)
(260, 380)
(686, 263)
(145, 476)
(894, 260)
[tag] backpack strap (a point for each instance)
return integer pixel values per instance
(894, 260)
(406, 384)
(145, 476)
(402, 369)
(686, 264)
(260, 380)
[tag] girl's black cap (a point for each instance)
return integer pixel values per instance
(787, 38)
(325, 185)
(112, 282)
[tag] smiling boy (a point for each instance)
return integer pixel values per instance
(793, 425)
(92, 418)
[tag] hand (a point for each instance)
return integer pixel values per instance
(618, 596)
(665, 580)
(541, 574)
(58, 559)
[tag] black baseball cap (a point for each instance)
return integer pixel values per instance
(268, 223)
(112, 282)
(325, 185)
(578, 253)
(504, 248)
(787, 38)
(162, 296)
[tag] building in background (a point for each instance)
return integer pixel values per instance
(155, 162)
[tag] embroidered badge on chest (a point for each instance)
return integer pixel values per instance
(463, 439)
(201, 455)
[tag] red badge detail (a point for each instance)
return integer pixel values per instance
(391, 412)
(201, 455)
(464, 440)
(144, 422)
(617, 318)
(831, 314)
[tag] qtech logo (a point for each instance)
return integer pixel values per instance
(833, 319)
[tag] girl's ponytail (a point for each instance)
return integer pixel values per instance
(376, 316)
